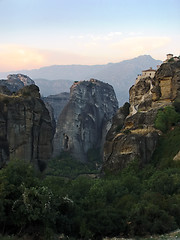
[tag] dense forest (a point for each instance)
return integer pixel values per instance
(82, 202)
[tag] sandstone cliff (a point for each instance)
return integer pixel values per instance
(137, 136)
(167, 83)
(25, 127)
(84, 121)
(150, 93)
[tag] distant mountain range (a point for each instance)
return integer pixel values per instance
(120, 75)
(53, 87)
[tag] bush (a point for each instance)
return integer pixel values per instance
(26, 205)
(171, 60)
(176, 105)
(166, 118)
(67, 166)
(167, 147)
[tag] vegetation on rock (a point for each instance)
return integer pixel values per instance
(167, 118)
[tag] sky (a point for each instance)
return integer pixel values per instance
(37, 33)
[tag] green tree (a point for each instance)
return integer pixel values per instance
(166, 118)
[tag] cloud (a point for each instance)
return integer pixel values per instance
(123, 47)
(17, 57)
(88, 49)
(135, 33)
(112, 34)
(134, 46)
(98, 37)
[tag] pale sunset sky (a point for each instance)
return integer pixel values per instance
(37, 33)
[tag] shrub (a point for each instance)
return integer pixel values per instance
(67, 166)
(171, 60)
(166, 118)
(176, 105)
(26, 93)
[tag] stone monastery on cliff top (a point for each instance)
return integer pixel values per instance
(151, 72)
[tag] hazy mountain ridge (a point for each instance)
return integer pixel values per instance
(53, 87)
(120, 75)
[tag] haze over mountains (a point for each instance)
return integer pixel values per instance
(58, 78)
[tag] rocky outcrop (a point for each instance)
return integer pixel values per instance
(85, 119)
(148, 93)
(167, 83)
(57, 102)
(118, 121)
(4, 90)
(51, 114)
(23, 78)
(25, 128)
(137, 138)
(177, 157)
(15, 82)
(140, 95)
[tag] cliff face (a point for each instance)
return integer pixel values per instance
(83, 123)
(140, 96)
(167, 83)
(137, 138)
(163, 89)
(25, 127)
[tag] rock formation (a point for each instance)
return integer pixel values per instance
(136, 140)
(85, 120)
(140, 96)
(136, 137)
(51, 114)
(167, 83)
(177, 157)
(57, 102)
(25, 127)
(149, 93)
(14, 82)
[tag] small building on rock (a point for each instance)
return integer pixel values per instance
(146, 73)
